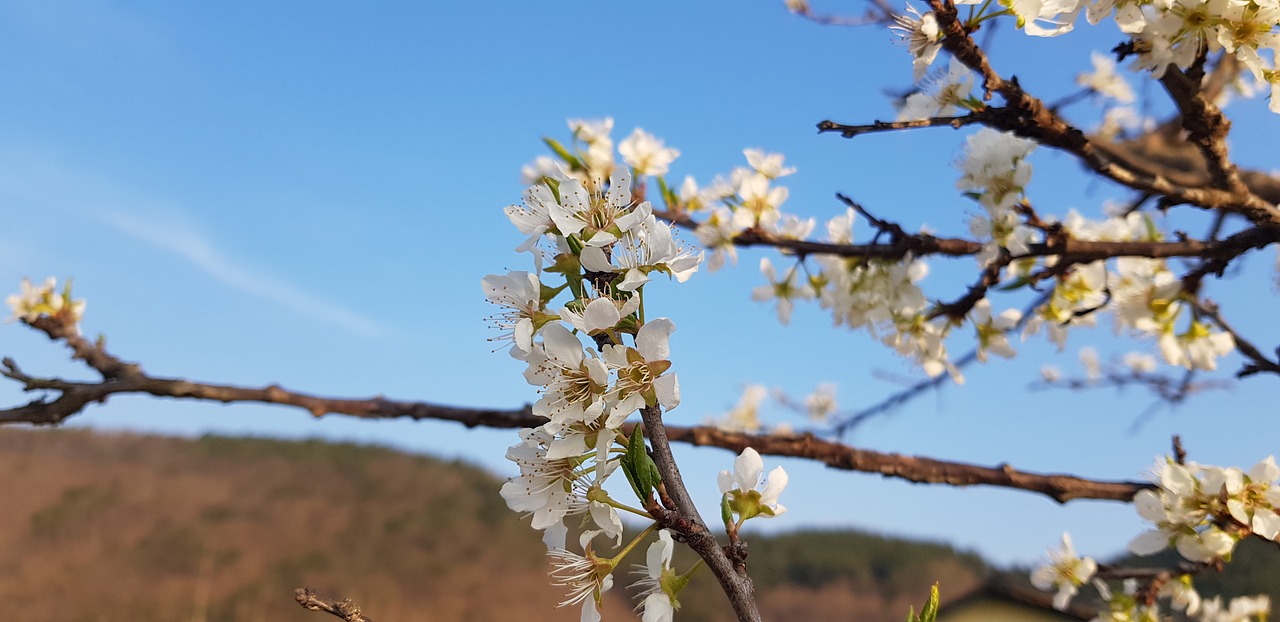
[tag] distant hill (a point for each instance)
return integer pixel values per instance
(107, 527)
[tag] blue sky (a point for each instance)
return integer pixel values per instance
(310, 194)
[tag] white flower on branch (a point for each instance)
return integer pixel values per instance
(840, 229)
(1058, 15)
(745, 415)
(542, 168)
(599, 155)
(520, 296)
(1124, 606)
(784, 290)
(1075, 302)
(821, 403)
(870, 293)
(1203, 510)
(544, 488)
(534, 217)
(600, 315)
(597, 218)
(767, 164)
(792, 227)
(740, 487)
(1240, 609)
(1139, 363)
(994, 168)
(1092, 364)
(716, 233)
(993, 331)
(1199, 347)
(587, 577)
(1105, 81)
(647, 247)
(1181, 594)
(1065, 573)
(760, 200)
(1128, 14)
(922, 36)
(1003, 230)
(32, 302)
(942, 96)
(574, 383)
(658, 582)
(647, 154)
(642, 370)
(925, 342)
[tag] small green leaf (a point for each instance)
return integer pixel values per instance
(930, 612)
(668, 195)
(639, 468)
(726, 513)
(564, 154)
(1153, 232)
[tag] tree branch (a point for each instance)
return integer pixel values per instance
(344, 609)
(732, 574)
(1068, 250)
(1028, 117)
(76, 395)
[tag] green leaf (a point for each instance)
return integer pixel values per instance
(564, 154)
(639, 468)
(930, 612)
(726, 515)
(1153, 232)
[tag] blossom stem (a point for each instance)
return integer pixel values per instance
(623, 506)
(617, 559)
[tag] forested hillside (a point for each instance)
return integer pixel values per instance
(122, 527)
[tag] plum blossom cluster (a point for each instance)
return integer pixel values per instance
(33, 301)
(1067, 572)
(1163, 32)
(884, 297)
(596, 244)
(1203, 510)
(1129, 605)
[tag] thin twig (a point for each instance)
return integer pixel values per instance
(344, 609)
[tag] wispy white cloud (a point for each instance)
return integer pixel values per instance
(43, 184)
(192, 245)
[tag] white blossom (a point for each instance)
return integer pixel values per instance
(646, 153)
(821, 403)
(1105, 81)
(784, 290)
(32, 301)
(740, 485)
(922, 36)
(656, 578)
(1064, 573)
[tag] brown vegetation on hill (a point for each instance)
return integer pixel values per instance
(101, 527)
